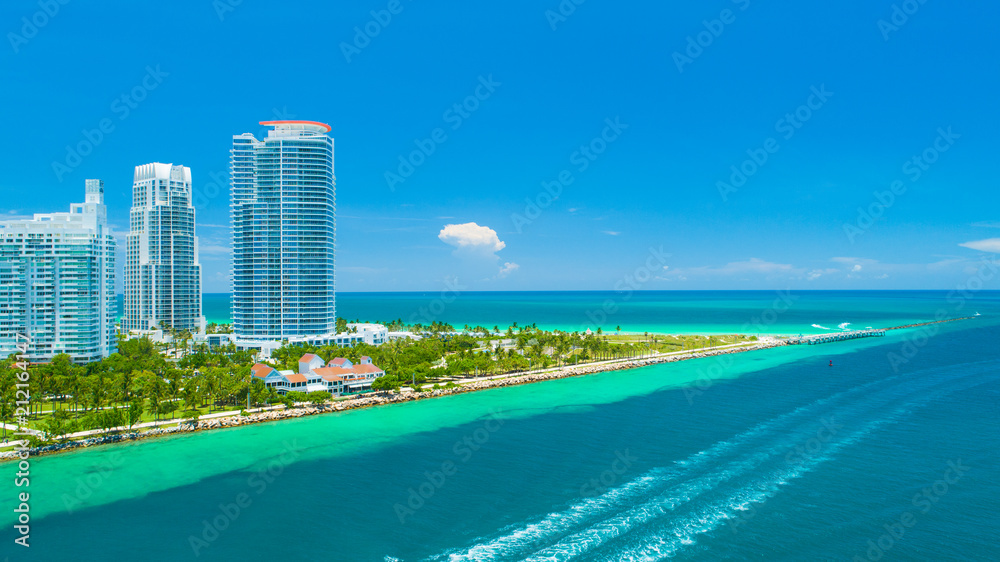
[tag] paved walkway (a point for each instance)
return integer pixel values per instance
(93, 432)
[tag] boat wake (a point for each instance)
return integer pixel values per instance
(664, 511)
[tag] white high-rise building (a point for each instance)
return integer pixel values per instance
(162, 270)
(57, 282)
(284, 206)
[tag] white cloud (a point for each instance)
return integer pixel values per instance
(856, 268)
(817, 273)
(987, 224)
(507, 269)
(755, 265)
(472, 238)
(852, 261)
(988, 245)
(611, 232)
(751, 266)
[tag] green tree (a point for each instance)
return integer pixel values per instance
(385, 383)
(59, 424)
(134, 413)
(318, 397)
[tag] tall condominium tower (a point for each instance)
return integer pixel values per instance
(283, 206)
(57, 282)
(162, 273)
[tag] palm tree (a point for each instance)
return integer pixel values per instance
(173, 387)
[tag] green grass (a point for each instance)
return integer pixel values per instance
(39, 421)
(668, 344)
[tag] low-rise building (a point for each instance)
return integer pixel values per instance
(338, 377)
(371, 334)
(213, 340)
(399, 335)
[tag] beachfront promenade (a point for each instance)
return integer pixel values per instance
(140, 426)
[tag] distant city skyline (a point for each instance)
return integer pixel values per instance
(740, 146)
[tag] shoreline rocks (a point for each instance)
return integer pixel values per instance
(372, 400)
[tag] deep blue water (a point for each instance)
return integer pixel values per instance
(769, 455)
(786, 312)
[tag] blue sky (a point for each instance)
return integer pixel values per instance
(647, 111)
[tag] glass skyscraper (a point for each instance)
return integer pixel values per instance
(162, 272)
(57, 282)
(283, 206)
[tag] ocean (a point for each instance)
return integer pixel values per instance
(701, 312)
(891, 453)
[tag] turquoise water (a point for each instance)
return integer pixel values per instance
(703, 312)
(769, 455)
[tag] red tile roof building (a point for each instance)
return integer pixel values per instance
(341, 376)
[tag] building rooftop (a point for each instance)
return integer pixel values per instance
(311, 126)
